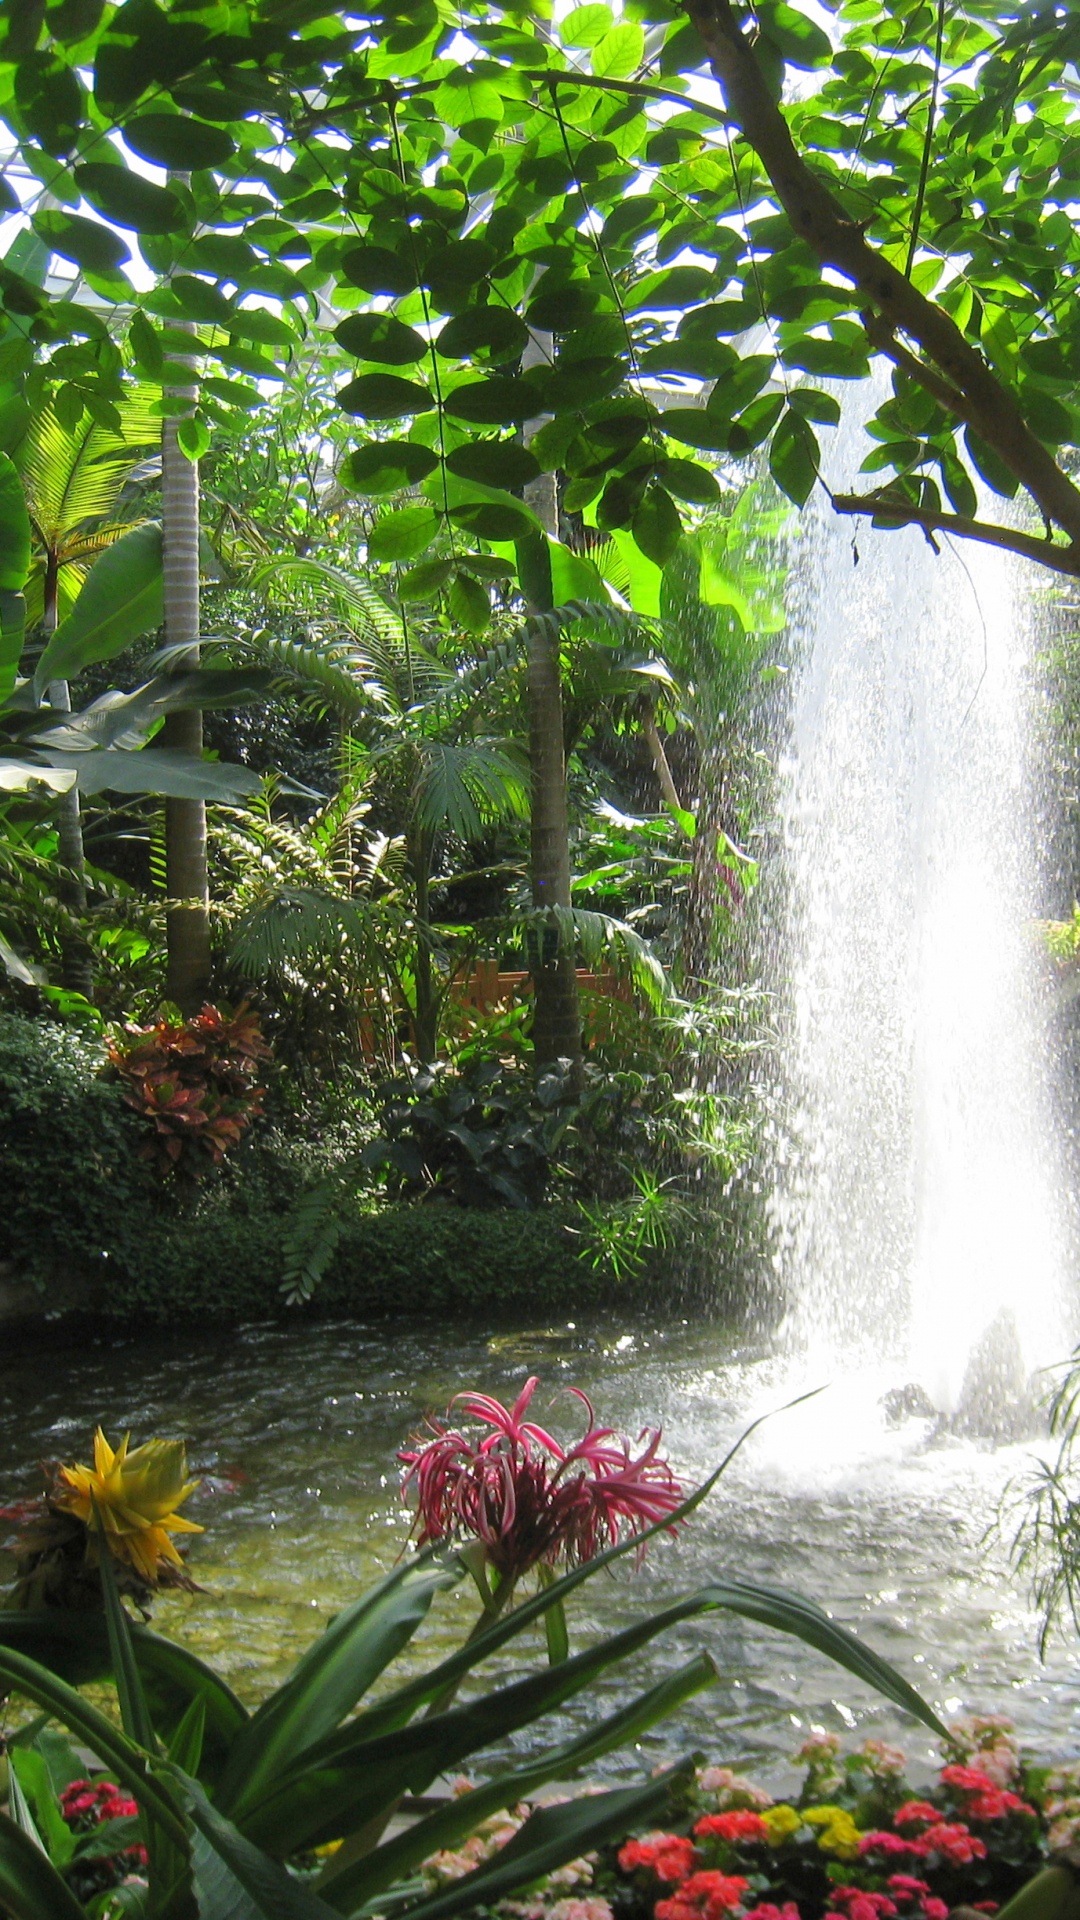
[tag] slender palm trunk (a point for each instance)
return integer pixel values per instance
(76, 965)
(426, 1016)
(557, 1019)
(186, 876)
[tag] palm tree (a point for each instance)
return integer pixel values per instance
(74, 480)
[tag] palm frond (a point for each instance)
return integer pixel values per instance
(463, 785)
(338, 675)
(75, 475)
(315, 589)
(291, 926)
(453, 701)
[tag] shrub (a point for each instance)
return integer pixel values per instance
(192, 1083)
(74, 1195)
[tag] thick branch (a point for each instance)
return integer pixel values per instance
(839, 242)
(1059, 559)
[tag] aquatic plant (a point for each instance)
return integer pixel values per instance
(282, 1814)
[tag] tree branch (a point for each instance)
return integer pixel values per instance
(1059, 559)
(839, 242)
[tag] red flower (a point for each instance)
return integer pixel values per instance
(968, 1779)
(915, 1810)
(882, 1842)
(857, 1904)
(905, 1886)
(954, 1843)
(985, 1799)
(705, 1896)
(935, 1909)
(740, 1824)
(527, 1498)
(766, 1911)
(669, 1855)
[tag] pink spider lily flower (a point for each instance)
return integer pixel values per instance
(528, 1499)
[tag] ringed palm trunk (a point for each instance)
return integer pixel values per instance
(426, 1017)
(186, 876)
(76, 966)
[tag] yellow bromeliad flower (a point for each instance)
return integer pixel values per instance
(781, 1822)
(136, 1495)
(838, 1835)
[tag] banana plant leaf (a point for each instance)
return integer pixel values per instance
(336, 1671)
(118, 719)
(362, 1880)
(122, 598)
(179, 776)
(30, 1887)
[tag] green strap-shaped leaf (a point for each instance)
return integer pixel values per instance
(12, 634)
(134, 1712)
(364, 1879)
(121, 599)
(332, 1676)
(30, 1887)
(237, 1881)
(550, 1837)
(14, 529)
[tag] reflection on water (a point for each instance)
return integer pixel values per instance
(296, 1431)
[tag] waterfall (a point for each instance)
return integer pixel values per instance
(915, 1214)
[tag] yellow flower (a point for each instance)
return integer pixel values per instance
(838, 1835)
(781, 1821)
(136, 1496)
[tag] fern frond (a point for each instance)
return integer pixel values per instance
(311, 1236)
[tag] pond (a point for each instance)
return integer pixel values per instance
(295, 1432)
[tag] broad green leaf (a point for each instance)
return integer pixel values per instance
(378, 336)
(175, 141)
(120, 599)
(492, 403)
(798, 38)
(202, 301)
(236, 1880)
(384, 396)
(386, 466)
(813, 405)
(86, 242)
(425, 581)
(156, 770)
(332, 1676)
(495, 331)
(30, 1887)
(129, 199)
(377, 270)
(14, 530)
(673, 289)
(689, 481)
(585, 26)
(793, 457)
(656, 526)
(620, 52)
(697, 428)
(494, 463)
(469, 603)
(403, 534)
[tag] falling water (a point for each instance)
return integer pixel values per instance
(916, 1217)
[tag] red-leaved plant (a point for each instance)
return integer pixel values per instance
(194, 1084)
(527, 1500)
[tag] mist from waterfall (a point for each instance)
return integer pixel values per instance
(916, 1217)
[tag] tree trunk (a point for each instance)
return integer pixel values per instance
(557, 1018)
(76, 964)
(187, 920)
(426, 1015)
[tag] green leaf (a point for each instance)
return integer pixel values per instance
(755, 425)
(378, 336)
(120, 599)
(384, 396)
(172, 140)
(550, 1837)
(14, 530)
(12, 635)
(656, 525)
(129, 199)
(562, 306)
(585, 26)
(30, 1887)
(494, 463)
(145, 345)
(688, 481)
(675, 288)
(86, 242)
(496, 331)
(388, 465)
(799, 39)
(990, 466)
(193, 436)
(186, 1745)
(793, 458)
(492, 403)
(201, 301)
(377, 270)
(134, 1712)
(403, 534)
(814, 405)
(178, 776)
(331, 1677)
(620, 52)
(425, 581)
(697, 428)
(469, 603)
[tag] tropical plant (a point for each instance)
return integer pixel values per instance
(231, 1805)
(193, 1084)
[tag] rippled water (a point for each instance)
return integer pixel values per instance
(299, 1428)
